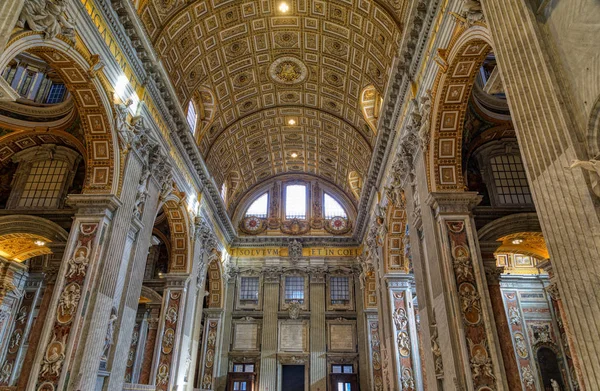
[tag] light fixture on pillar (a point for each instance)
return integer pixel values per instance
(39, 243)
(517, 241)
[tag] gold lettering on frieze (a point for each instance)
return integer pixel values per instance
(262, 252)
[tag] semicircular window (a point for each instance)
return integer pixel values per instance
(259, 207)
(332, 208)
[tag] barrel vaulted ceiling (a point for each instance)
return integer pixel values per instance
(278, 92)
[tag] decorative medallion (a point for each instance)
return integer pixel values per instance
(338, 225)
(252, 225)
(295, 227)
(288, 70)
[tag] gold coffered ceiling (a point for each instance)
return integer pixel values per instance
(252, 66)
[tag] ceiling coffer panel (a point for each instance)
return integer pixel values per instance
(255, 70)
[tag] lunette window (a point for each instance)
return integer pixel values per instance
(332, 208)
(259, 207)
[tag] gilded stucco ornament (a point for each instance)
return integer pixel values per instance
(288, 70)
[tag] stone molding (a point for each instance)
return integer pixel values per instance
(124, 23)
(409, 56)
(453, 203)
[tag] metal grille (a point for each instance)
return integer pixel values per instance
(249, 289)
(338, 287)
(510, 180)
(44, 184)
(56, 94)
(294, 288)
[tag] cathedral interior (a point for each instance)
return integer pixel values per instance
(299, 195)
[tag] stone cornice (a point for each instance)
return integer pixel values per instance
(284, 241)
(453, 203)
(94, 204)
(413, 46)
(124, 23)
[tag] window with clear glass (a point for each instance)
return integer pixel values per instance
(259, 207)
(240, 385)
(44, 184)
(510, 180)
(223, 191)
(338, 368)
(56, 94)
(294, 289)
(332, 208)
(344, 386)
(249, 289)
(192, 117)
(248, 368)
(339, 290)
(295, 202)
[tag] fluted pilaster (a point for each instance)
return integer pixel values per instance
(318, 342)
(268, 354)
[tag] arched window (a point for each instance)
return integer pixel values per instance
(332, 208)
(259, 207)
(192, 117)
(295, 202)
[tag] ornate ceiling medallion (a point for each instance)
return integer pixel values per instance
(288, 70)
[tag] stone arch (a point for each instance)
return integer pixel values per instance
(355, 182)
(594, 131)
(370, 104)
(150, 296)
(518, 222)
(459, 65)
(395, 255)
(19, 234)
(91, 100)
(499, 234)
(179, 223)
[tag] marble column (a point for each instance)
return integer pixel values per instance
(211, 346)
(551, 137)
(196, 336)
(22, 325)
(50, 274)
(222, 352)
(406, 351)
(112, 305)
(564, 328)
(492, 274)
(268, 354)
(318, 341)
(467, 333)
(136, 349)
(61, 335)
(362, 330)
(169, 332)
(149, 345)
